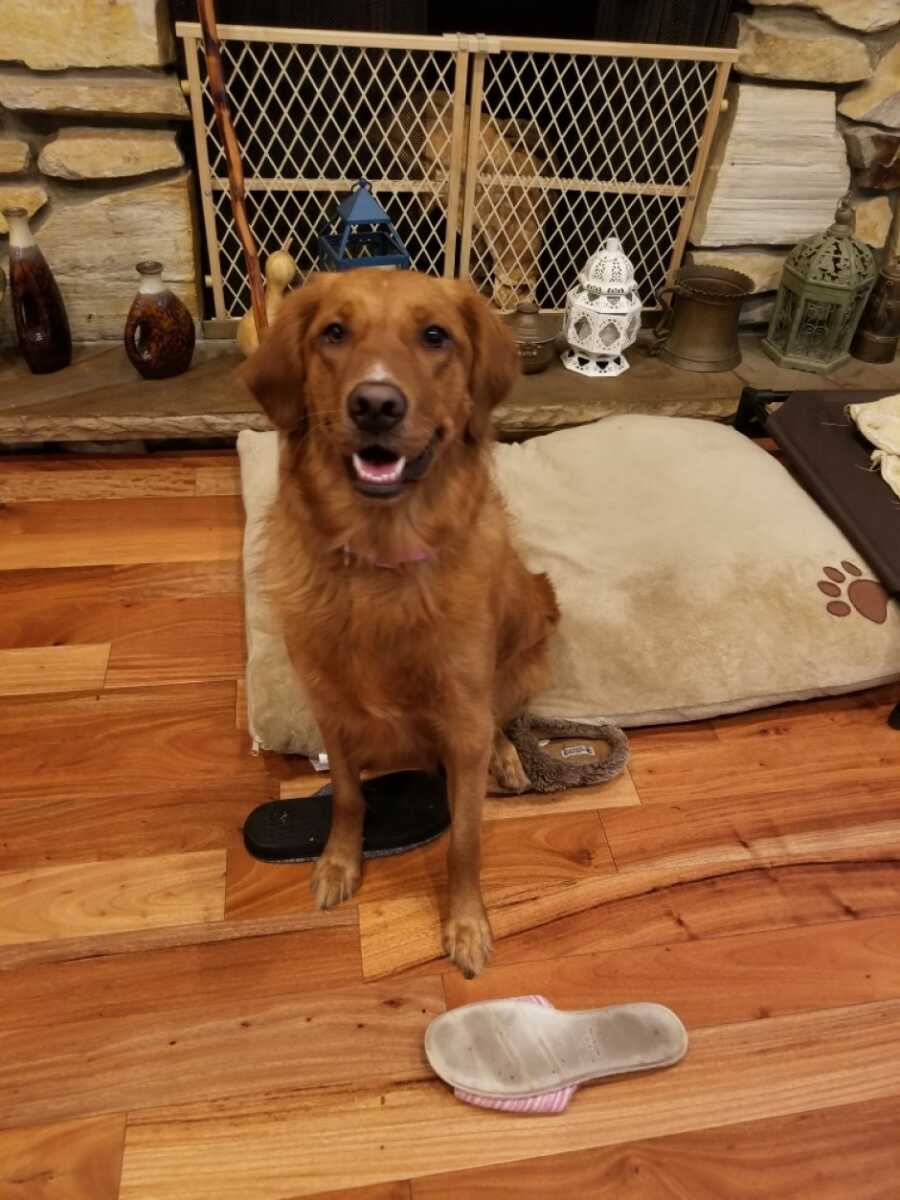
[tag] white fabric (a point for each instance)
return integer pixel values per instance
(879, 422)
(687, 563)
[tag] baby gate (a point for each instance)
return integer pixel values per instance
(504, 160)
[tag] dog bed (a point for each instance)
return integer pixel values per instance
(695, 576)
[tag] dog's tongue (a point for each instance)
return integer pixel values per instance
(378, 472)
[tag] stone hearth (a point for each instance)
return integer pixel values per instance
(100, 398)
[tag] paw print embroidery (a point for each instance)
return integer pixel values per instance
(865, 596)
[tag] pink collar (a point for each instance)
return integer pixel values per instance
(423, 554)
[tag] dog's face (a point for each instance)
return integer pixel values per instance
(384, 371)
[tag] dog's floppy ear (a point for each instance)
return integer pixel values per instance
(495, 360)
(275, 371)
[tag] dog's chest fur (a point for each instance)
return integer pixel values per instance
(385, 650)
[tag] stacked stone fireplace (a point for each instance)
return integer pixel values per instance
(93, 131)
(814, 111)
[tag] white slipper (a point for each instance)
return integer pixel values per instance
(524, 1055)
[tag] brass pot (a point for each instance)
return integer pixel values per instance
(535, 334)
(698, 331)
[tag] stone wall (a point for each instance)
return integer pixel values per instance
(91, 126)
(813, 110)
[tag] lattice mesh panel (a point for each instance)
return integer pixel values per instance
(574, 149)
(310, 121)
(568, 149)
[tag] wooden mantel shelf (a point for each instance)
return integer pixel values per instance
(101, 397)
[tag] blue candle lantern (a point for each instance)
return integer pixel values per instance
(361, 235)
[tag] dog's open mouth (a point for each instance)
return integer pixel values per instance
(377, 471)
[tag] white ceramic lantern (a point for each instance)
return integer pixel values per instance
(603, 314)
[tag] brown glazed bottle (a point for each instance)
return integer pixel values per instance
(159, 331)
(42, 326)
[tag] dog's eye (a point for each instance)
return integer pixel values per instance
(435, 337)
(334, 333)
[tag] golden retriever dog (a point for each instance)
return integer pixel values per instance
(416, 628)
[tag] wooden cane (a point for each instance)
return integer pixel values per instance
(206, 10)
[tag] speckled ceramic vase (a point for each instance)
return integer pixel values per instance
(159, 331)
(42, 326)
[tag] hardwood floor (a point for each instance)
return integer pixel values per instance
(178, 1023)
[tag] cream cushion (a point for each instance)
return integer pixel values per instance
(695, 578)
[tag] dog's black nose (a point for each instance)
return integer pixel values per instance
(376, 407)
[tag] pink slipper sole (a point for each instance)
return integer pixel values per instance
(526, 1056)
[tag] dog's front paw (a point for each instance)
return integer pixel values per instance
(468, 942)
(335, 878)
(506, 771)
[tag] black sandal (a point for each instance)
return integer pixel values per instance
(404, 810)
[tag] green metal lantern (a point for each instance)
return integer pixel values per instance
(824, 287)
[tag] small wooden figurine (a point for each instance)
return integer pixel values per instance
(281, 272)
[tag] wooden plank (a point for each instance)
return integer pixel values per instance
(233, 1044)
(141, 940)
(616, 49)
(102, 383)
(180, 982)
(71, 1160)
(248, 1149)
(318, 37)
(38, 478)
(95, 824)
(837, 1153)
(556, 397)
(487, 178)
(208, 412)
(634, 909)
(517, 856)
(198, 120)
(814, 725)
(171, 637)
(470, 172)
(36, 670)
(396, 1191)
(400, 1190)
(769, 768)
(176, 641)
(89, 532)
(758, 831)
(747, 902)
(258, 889)
(704, 146)
(712, 981)
(659, 846)
(221, 479)
(301, 786)
(457, 144)
(241, 720)
(619, 793)
(326, 37)
(139, 741)
(97, 604)
(686, 736)
(91, 898)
